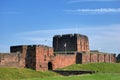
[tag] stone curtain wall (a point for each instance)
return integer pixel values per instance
(11, 60)
(85, 58)
(98, 57)
(101, 57)
(63, 60)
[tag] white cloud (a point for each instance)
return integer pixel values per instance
(94, 11)
(105, 38)
(59, 31)
(77, 1)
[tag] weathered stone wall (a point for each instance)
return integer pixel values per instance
(94, 58)
(107, 58)
(27, 55)
(30, 59)
(85, 58)
(82, 43)
(44, 55)
(113, 58)
(62, 60)
(70, 42)
(36, 56)
(101, 57)
(11, 60)
(98, 57)
(21, 49)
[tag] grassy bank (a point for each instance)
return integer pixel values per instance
(106, 71)
(98, 76)
(21, 73)
(100, 67)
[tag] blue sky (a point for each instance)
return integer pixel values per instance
(25, 22)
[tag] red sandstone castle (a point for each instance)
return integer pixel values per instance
(67, 49)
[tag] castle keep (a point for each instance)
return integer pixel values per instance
(76, 42)
(67, 49)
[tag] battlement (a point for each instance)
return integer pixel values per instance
(23, 48)
(70, 35)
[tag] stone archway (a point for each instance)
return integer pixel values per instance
(50, 67)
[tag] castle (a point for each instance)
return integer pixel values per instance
(67, 49)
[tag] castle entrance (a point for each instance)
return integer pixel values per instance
(50, 67)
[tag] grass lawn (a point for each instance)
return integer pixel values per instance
(105, 71)
(22, 73)
(98, 76)
(99, 67)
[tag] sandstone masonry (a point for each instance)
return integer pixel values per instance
(76, 42)
(67, 49)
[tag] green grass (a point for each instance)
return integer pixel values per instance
(98, 76)
(106, 71)
(100, 67)
(21, 73)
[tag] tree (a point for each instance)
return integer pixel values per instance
(118, 58)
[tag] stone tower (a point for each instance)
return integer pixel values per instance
(71, 42)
